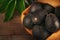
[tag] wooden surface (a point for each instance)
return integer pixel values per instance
(13, 30)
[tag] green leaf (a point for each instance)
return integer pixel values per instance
(1, 1)
(26, 2)
(5, 5)
(20, 5)
(10, 11)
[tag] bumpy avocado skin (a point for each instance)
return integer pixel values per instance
(36, 6)
(49, 8)
(52, 23)
(27, 22)
(57, 12)
(39, 32)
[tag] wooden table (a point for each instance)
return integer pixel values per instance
(13, 30)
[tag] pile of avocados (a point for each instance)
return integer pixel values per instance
(42, 19)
